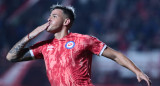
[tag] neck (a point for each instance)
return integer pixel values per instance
(61, 34)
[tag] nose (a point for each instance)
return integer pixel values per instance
(49, 19)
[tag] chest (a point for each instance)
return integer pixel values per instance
(67, 48)
(66, 53)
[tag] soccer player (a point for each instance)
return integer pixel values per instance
(68, 55)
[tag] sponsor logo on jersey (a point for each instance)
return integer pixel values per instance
(50, 47)
(70, 44)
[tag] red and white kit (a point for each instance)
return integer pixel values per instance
(68, 60)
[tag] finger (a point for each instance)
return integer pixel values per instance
(46, 25)
(138, 79)
(148, 82)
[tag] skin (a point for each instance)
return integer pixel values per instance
(127, 63)
(58, 24)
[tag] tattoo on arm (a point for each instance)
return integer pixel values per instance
(24, 56)
(15, 49)
(18, 50)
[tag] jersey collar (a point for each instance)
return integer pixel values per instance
(64, 38)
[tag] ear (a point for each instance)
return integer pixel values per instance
(66, 22)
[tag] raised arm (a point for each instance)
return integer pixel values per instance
(125, 62)
(18, 52)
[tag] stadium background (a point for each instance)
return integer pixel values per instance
(129, 26)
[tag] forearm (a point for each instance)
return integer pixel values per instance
(124, 61)
(127, 63)
(120, 59)
(18, 50)
(15, 52)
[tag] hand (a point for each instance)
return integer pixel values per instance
(37, 31)
(42, 27)
(141, 76)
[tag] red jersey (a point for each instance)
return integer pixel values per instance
(68, 60)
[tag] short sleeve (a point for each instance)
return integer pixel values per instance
(36, 50)
(96, 46)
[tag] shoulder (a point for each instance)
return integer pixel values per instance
(84, 36)
(42, 43)
(45, 41)
(88, 39)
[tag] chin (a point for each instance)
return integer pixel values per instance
(51, 31)
(48, 29)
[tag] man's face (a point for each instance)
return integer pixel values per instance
(55, 20)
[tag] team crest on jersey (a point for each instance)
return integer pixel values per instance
(70, 44)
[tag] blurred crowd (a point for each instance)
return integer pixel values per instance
(122, 24)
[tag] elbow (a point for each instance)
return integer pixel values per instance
(10, 58)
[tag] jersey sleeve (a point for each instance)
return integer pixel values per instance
(36, 50)
(96, 46)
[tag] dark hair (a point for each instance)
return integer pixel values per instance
(67, 10)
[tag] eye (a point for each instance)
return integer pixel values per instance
(54, 16)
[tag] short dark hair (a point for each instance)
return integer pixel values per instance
(67, 10)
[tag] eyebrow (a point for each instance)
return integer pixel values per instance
(53, 14)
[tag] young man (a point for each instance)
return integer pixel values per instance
(68, 56)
